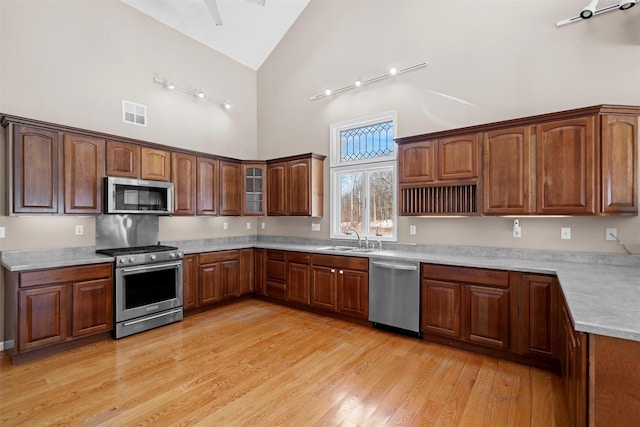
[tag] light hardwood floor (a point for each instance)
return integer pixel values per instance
(256, 363)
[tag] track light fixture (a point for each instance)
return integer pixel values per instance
(198, 93)
(590, 11)
(359, 83)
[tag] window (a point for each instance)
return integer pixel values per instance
(363, 176)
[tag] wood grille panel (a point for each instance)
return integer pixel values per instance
(454, 199)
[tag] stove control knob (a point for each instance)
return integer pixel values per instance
(179, 254)
(153, 257)
(122, 260)
(132, 259)
(172, 254)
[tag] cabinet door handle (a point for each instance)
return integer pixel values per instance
(333, 270)
(341, 272)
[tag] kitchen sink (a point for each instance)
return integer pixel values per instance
(337, 248)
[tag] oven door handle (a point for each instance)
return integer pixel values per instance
(155, 316)
(152, 267)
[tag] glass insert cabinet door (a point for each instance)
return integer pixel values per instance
(254, 189)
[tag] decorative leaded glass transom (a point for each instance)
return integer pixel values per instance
(366, 142)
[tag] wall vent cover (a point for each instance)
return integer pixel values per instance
(135, 114)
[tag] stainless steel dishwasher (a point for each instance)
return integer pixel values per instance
(394, 295)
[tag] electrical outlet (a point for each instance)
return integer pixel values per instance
(315, 227)
(248, 226)
(565, 233)
(611, 233)
(225, 225)
(2, 232)
(412, 230)
(262, 225)
(517, 232)
(79, 230)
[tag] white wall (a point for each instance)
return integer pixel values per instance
(72, 63)
(505, 59)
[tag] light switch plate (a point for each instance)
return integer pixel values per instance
(611, 233)
(225, 225)
(565, 233)
(262, 225)
(2, 232)
(248, 226)
(315, 227)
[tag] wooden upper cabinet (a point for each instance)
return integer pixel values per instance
(417, 161)
(507, 171)
(207, 186)
(277, 189)
(230, 188)
(123, 159)
(184, 183)
(619, 169)
(36, 166)
(254, 189)
(295, 186)
(566, 174)
(83, 173)
(299, 187)
(155, 164)
(450, 158)
(458, 157)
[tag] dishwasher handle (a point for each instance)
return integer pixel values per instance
(394, 266)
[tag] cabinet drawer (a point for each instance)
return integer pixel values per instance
(276, 270)
(348, 262)
(65, 275)
(298, 257)
(466, 275)
(275, 255)
(213, 257)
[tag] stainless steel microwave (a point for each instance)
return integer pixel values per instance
(137, 196)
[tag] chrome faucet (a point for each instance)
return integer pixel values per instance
(348, 233)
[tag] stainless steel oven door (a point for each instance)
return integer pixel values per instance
(147, 289)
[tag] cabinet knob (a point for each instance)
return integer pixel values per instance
(341, 272)
(333, 270)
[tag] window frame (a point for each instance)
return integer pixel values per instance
(337, 167)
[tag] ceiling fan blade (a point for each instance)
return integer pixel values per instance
(213, 11)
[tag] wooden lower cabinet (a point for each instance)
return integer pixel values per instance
(486, 316)
(259, 265)
(539, 313)
(42, 316)
(323, 287)
(441, 301)
(467, 304)
(92, 307)
(190, 282)
(298, 277)
(276, 274)
(340, 284)
(47, 307)
(219, 276)
(353, 292)
(573, 362)
(247, 271)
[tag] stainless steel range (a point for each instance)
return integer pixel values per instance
(148, 276)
